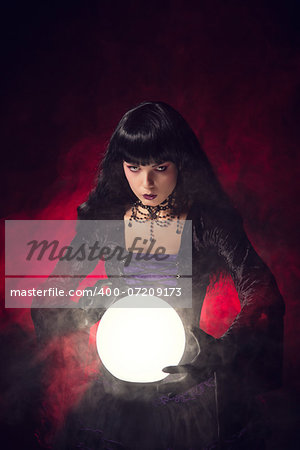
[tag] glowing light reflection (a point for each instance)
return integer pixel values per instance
(139, 336)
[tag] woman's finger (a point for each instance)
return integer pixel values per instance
(185, 368)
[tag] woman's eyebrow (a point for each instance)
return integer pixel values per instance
(138, 164)
(160, 164)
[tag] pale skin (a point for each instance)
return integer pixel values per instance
(157, 180)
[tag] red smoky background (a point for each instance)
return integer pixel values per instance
(70, 71)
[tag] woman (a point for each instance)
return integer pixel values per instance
(154, 172)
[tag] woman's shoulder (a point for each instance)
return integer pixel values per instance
(102, 212)
(214, 215)
(215, 225)
(98, 224)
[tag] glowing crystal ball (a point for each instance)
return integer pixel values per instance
(138, 336)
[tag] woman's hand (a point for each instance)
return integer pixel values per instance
(209, 358)
(94, 306)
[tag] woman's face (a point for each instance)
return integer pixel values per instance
(153, 183)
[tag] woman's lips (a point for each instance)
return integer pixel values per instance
(149, 197)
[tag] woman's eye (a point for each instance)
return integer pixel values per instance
(161, 168)
(133, 168)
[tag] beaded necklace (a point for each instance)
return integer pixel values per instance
(151, 213)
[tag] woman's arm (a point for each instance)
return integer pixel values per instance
(253, 343)
(59, 315)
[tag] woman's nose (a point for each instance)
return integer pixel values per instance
(148, 180)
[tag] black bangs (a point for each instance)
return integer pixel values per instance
(144, 151)
(145, 135)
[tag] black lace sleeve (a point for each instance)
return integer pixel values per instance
(253, 343)
(56, 315)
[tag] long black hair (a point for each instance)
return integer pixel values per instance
(153, 132)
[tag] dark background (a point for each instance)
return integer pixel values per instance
(232, 68)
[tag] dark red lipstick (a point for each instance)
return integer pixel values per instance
(149, 197)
